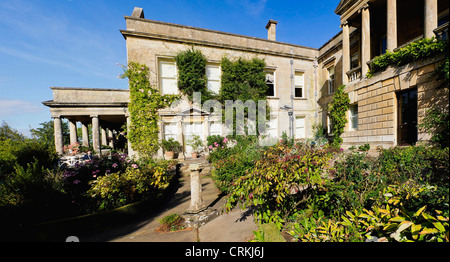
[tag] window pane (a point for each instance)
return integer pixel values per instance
(354, 116)
(168, 69)
(213, 86)
(169, 86)
(299, 80)
(270, 90)
(272, 128)
(298, 92)
(213, 72)
(300, 131)
(170, 131)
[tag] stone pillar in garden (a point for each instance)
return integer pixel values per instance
(197, 205)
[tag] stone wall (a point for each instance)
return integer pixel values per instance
(149, 42)
(377, 102)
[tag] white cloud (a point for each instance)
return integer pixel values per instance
(251, 7)
(9, 108)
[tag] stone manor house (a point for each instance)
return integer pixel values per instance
(385, 109)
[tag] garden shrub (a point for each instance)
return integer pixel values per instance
(279, 181)
(232, 159)
(395, 219)
(24, 152)
(421, 163)
(354, 186)
(134, 184)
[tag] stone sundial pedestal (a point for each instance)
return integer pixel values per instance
(197, 204)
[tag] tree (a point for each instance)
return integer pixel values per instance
(46, 133)
(338, 110)
(7, 132)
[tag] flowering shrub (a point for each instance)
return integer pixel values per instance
(121, 188)
(72, 149)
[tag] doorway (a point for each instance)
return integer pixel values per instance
(407, 117)
(190, 129)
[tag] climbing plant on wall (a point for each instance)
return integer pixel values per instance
(243, 80)
(338, 110)
(191, 66)
(145, 101)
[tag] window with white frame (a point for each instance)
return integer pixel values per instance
(353, 109)
(299, 85)
(170, 131)
(168, 77)
(270, 82)
(213, 74)
(215, 128)
(300, 127)
(329, 125)
(272, 127)
(330, 72)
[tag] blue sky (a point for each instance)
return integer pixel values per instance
(77, 43)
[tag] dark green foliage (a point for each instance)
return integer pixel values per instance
(338, 110)
(232, 162)
(191, 66)
(416, 50)
(436, 122)
(46, 135)
(243, 80)
(171, 145)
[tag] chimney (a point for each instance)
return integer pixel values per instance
(138, 13)
(272, 30)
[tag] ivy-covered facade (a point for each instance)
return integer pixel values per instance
(223, 67)
(386, 55)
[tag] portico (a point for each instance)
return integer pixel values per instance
(104, 109)
(370, 28)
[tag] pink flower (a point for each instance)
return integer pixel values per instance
(210, 147)
(94, 176)
(222, 147)
(76, 182)
(134, 166)
(114, 165)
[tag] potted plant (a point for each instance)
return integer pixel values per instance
(171, 147)
(197, 145)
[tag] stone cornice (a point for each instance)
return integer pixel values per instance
(127, 33)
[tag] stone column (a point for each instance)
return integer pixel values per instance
(197, 205)
(365, 39)
(96, 134)
(391, 25)
(85, 134)
(59, 139)
(73, 131)
(104, 140)
(111, 136)
(345, 51)
(430, 17)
